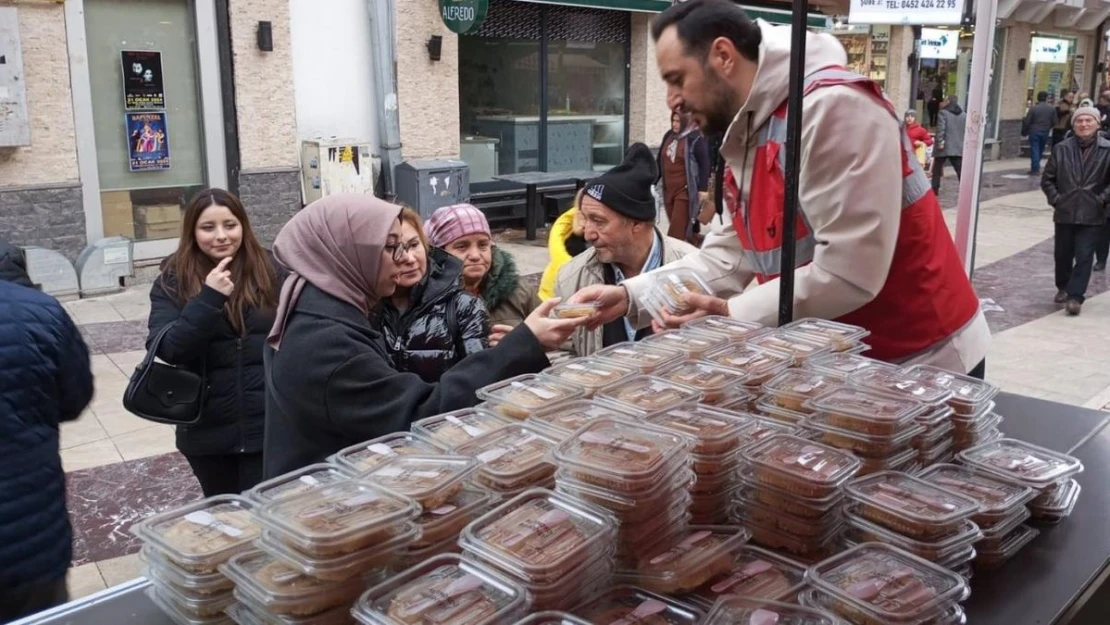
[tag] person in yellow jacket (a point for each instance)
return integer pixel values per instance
(565, 241)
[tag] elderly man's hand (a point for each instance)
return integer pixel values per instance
(699, 306)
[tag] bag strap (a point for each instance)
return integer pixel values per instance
(152, 353)
(453, 326)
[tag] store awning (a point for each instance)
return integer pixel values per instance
(774, 16)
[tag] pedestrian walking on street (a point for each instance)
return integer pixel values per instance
(951, 124)
(430, 322)
(920, 136)
(1064, 108)
(683, 170)
(1037, 124)
(218, 291)
(1076, 183)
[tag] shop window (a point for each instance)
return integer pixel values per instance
(1052, 58)
(146, 113)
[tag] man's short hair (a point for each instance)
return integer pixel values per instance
(953, 99)
(701, 22)
(1042, 96)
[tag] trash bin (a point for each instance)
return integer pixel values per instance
(425, 185)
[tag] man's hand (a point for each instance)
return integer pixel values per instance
(701, 305)
(551, 333)
(498, 332)
(612, 303)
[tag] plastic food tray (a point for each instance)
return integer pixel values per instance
(838, 337)
(297, 482)
(644, 395)
(800, 466)
(365, 456)
(562, 420)
(202, 535)
(517, 398)
(909, 505)
(1023, 462)
(590, 374)
(454, 428)
(690, 342)
(646, 358)
(622, 456)
(733, 610)
(734, 330)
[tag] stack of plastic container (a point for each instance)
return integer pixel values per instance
(644, 395)
(1002, 507)
(183, 550)
(451, 429)
(760, 365)
(689, 560)
(430, 480)
(624, 604)
(974, 421)
(798, 347)
(440, 527)
(518, 398)
(365, 456)
(876, 584)
(444, 589)
(842, 365)
(791, 499)
(299, 482)
(692, 343)
(590, 374)
(924, 519)
(1050, 474)
(785, 395)
(732, 330)
(561, 421)
(513, 459)
(837, 337)
(638, 472)
(717, 436)
(716, 383)
(755, 573)
(878, 428)
(640, 356)
(743, 609)
(557, 548)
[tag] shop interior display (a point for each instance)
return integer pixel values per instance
(722, 473)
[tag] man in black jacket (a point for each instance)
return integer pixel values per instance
(1037, 125)
(13, 265)
(1076, 182)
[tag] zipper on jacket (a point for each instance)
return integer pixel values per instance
(239, 391)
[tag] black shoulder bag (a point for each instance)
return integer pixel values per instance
(163, 393)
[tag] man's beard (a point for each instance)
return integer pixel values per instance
(721, 111)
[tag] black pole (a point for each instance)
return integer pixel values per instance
(793, 158)
(542, 164)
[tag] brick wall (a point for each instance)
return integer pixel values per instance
(427, 91)
(271, 197)
(50, 216)
(1009, 136)
(649, 117)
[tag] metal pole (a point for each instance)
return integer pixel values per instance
(798, 34)
(967, 212)
(385, 88)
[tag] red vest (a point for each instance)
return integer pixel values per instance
(927, 297)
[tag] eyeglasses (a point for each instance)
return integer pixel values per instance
(398, 250)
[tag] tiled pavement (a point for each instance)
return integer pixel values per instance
(121, 468)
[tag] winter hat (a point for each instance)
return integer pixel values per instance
(450, 223)
(626, 188)
(1086, 110)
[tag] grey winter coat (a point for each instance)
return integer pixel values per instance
(1078, 190)
(950, 131)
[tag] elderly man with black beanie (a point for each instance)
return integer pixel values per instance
(619, 214)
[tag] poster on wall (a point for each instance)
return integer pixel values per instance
(939, 44)
(921, 12)
(1048, 50)
(148, 143)
(142, 80)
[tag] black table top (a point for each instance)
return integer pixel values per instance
(1042, 583)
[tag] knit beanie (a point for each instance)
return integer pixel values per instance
(451, 223)
(1086, 110)
(626, 188)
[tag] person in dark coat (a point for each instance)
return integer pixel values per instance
(1037, 125)
(951, 124)
(219, 290)
(330, 380)
(430, 323)
(683, 168)
(45, 380)
(1076, 182)
(13, 265)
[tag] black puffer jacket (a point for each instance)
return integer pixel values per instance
(1078, 188)
(204, 339)
(424, 339)
(13, 265)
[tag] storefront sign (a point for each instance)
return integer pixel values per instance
(463, 16)
(148, 142)
(939, 44)
(1046, 50)
(142, 80)
(923, 12)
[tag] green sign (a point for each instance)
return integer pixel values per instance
(463, 16)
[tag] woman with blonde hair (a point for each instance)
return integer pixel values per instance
(430, 322)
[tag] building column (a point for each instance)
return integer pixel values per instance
(648, 115)
(899, 77)
(1013, 89)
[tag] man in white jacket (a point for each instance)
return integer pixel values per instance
(872, 246)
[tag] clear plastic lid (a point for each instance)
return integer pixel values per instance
(807, 507)
(430, 480)
(645, 394)
(567, 310)
(841, 365)
(454, 428)
(590, 373)
(967, 392)
(792, 388)
(992, 533)
(339, 518)
(767, 408)
(519, 397)
(982, 423)
(552, 618)
(365, 456)
(297, 482)
(863, 444)
(690, 342)
(192, 603)
(539, 535)
(714, 431)
(203, 534)
(995, 496)
(692, 559)
(646, 358)
(888, 584)
(862, 530)
(658, 493)
(756, 573)
(903, 461)
(808, 547)
(205, 583)
(246, 612)
(742, 610)
(801, 466)
(670, 287)
(837, 336)
(1018, 538)
(899, 383)
(511, 456)
(1021, 461)
(760, 364)
(564, 419)
(736, 399)
(908, 503)
(445, 589)
(936, 417)
(284, 590)
(158, 597)
(446, 521)
(811, 597)
(779, 518)
(735, 330)
(1058, 500)
(342, 566)
(626, 453)
(714, 381)
(861, 410)
(763, 428)
(798, 347)
(629, 605)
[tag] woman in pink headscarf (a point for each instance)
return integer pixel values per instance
(330, 382)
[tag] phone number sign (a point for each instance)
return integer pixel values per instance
(915, 12)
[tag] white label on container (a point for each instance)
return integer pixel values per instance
(466, 427)
(538, 391)
(642, 611)
(200, 517)
(625, 352)
(576, 367)
(381, 449)
(492, 454)
(311, 481)
(361, 500)
(398, 472)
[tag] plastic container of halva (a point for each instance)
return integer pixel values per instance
(690, 342)
(644, 395)
(714, 431)
(755, 573)
(284, 590)
(622, 456)
(590, 374)
(297, 482)
(561, 421)
(513, 458)
(365, 456)
(646, 358)
(430, 480)
(202, 535)
(760, 364)
(910, 506)
(735, 609)
(451, 429)
(734, 330)
(518, 398)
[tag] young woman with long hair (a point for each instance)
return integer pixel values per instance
(219, 291)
